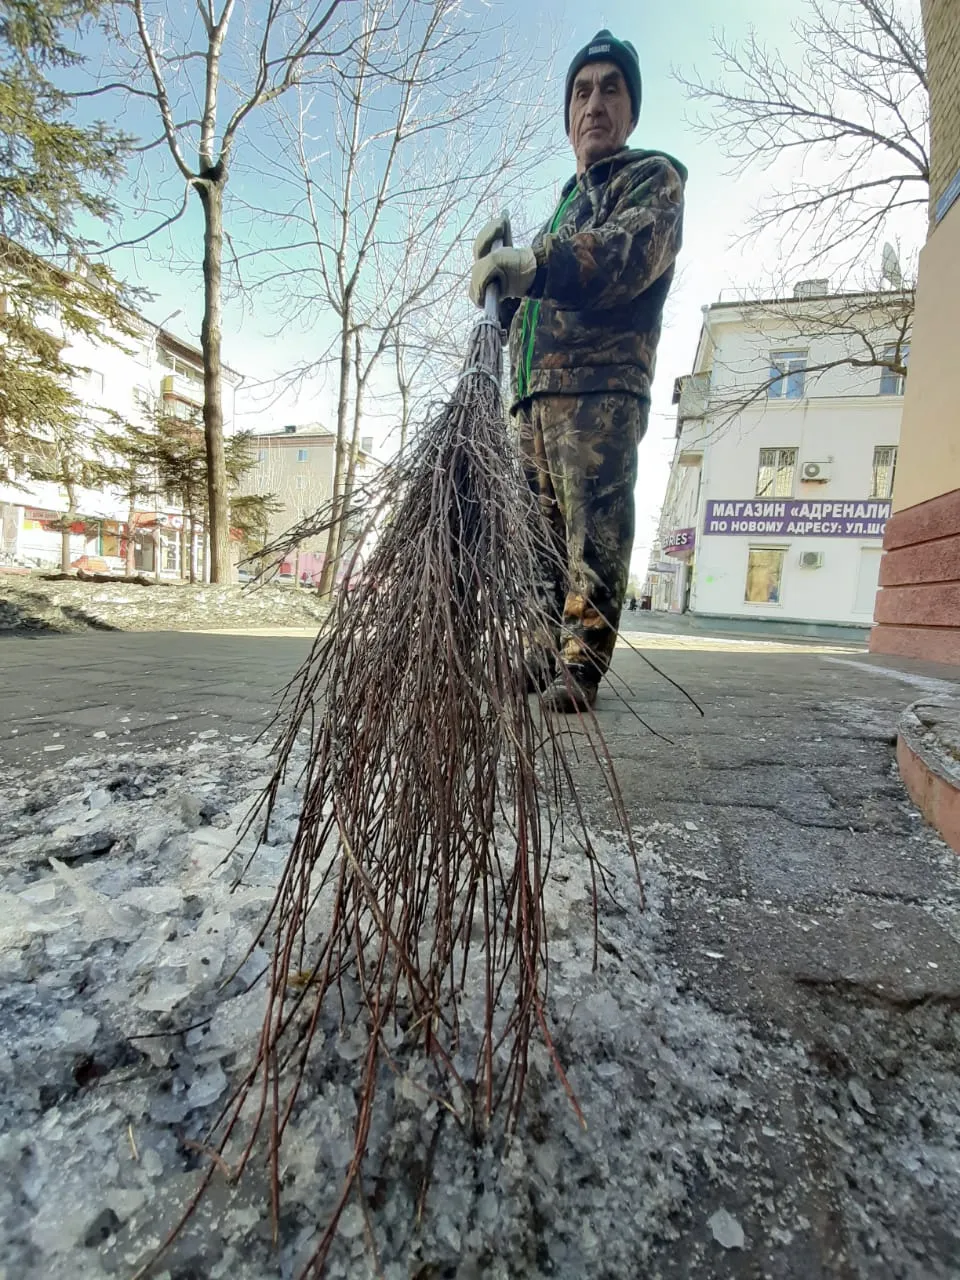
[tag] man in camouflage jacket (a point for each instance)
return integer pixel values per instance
(584, 307)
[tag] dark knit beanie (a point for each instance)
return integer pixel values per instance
(606, 48)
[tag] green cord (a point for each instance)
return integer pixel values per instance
(531, 309)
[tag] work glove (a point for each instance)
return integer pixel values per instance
(496, 229)
(513, 270)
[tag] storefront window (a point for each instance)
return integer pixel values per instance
(764, 575)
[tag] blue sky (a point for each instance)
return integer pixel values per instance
(677, 34)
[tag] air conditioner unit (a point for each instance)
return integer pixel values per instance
(815, 472)
(811, 559)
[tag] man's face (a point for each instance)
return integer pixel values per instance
(600, 113)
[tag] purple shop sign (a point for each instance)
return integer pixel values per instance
(679, 542)
(797, 518)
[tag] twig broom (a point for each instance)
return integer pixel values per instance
(434, 788)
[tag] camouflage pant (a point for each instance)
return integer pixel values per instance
(580, 457)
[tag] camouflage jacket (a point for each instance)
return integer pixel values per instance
(605, 262)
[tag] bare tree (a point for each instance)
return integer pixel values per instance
(273, 54)
(852, 116)
(424, 342)
(433, 125)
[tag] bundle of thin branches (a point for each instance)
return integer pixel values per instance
(434, 789)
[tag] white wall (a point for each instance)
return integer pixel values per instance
(680, 511)
(841, 421)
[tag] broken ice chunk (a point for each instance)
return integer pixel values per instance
(159, 899)
(861, 1097)
(169, 1108)
(207, 1087)
(163, 996)
(40, 893)
(76, 1031)
(726, 1230)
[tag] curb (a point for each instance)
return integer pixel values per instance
(931, 775)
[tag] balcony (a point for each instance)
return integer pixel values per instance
(176, 386)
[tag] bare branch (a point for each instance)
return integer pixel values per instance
(161, 226)
(854, 110)
(162, 100)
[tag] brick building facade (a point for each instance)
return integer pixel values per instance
(942, 31)
(918, 605)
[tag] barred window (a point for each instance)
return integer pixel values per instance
(775, 473)
(884, 469)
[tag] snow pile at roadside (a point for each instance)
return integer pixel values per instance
(35, 604)
(119, 1041)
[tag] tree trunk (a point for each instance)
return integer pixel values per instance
(404, 388)
(131, 538)
(65, 542)
(328, 573)
(404, 414)
(183, 547)
(210, 190)
(193, 548)
(157, 550)
(68, 520)
(343, 532)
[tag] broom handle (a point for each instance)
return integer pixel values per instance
(491, 296)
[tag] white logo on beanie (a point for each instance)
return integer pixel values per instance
(598, 48)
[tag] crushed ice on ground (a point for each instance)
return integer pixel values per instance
(128, 1013)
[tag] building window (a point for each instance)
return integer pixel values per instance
(301, 455)
(261, 455)
(884, 469)
(301, 482)
(764, 575)
(775, 473)
(891, 382)
(787, 367)
(170, 553)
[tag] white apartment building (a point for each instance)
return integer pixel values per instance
(780, 486)
(295, 465)
(154, 366)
